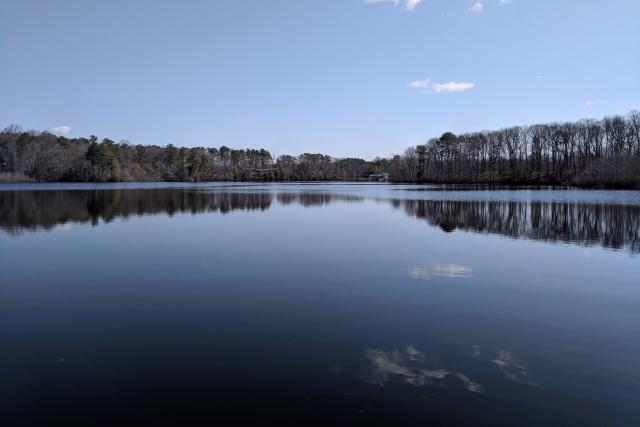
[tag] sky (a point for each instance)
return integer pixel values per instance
(359, 78)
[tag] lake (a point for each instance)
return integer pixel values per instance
(206, 304)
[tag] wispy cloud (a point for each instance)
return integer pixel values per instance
(394, 2)
(592, 102)
(409, 5)
(477, 7)
(428, 86)
(59, 130)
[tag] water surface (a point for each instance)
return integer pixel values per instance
(182, 304)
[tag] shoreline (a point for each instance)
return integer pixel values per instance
(445, 185)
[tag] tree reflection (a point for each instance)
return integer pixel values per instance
(608, 225)
(45, 209)
(21, 210)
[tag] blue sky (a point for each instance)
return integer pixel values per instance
(343, 77)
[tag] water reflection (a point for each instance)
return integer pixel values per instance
(511, 367)
(456, 271)
(302, 302)
(408, 366)
(411, 366)
(45, 209)
(311, 199)
(608, 225)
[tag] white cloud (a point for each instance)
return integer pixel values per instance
(427, 86)
(59, 130)
(477, 7)
(539, 79)
(411, 4)
(420, 84)
(394, 2)
(452, 87)
(407, 4)
(592, 102)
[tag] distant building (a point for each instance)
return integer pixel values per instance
(383, 177)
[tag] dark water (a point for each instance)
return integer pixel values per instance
(318, 304)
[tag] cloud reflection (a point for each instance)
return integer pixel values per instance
(426, 272)
(511, 367)
(408, 367)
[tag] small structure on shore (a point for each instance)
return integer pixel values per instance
(382, 177)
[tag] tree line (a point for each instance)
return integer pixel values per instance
(44, 157)
(588, 152)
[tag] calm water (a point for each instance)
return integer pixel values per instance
(161, 304)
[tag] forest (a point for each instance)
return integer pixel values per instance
(589, 152)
